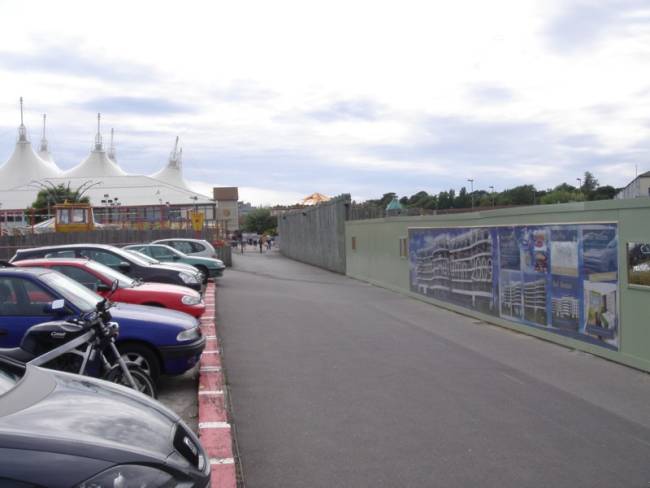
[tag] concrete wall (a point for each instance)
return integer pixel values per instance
(377, 260)
(315, 235)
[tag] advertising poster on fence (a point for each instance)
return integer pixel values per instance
(561, 278)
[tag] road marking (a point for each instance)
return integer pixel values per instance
(208, 369)
(210, 337)
(210, 352)
(214, 425)
(211, 392)
(222, 461)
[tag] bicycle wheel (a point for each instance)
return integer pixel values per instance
(143, 382)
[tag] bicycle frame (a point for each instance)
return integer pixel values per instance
(74, 344)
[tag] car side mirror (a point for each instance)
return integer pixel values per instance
(55, 307)
(124, 266)
(175, 258)
(103, 287)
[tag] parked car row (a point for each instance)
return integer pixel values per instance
(62, 306)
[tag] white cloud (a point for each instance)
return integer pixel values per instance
(329, 90)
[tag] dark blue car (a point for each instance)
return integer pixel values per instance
(161, 341)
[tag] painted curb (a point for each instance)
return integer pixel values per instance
(214, 430)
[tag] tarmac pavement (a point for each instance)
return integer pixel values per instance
(337, 383)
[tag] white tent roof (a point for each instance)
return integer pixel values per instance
(172, 173)
(129, 190)
(24, 165)
(44, 151)
(97, 164)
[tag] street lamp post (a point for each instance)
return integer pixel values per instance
(471, 183)
(492, 194)
(579, 184)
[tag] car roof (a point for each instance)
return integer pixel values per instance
(12, 270)
(67, 246)
(158, 241)
(43, 261)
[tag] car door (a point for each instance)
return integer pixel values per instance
(22, 304)
(161, 254)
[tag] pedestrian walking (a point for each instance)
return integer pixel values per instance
(261, 244)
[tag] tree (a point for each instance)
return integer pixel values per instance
(413, 199)
(606, 192)
(463, 199)
(51, 195)
(589, 183)
(260, 220)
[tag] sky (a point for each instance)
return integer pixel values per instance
(287, 98)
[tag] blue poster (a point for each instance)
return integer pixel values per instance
(562, 277)
(565, 303)
(509, 253)
(533, 242)
(455, 265)
(600, 252)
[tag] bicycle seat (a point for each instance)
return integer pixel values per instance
(17, 354)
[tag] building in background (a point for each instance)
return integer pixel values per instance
(226, 199)
(637, 188)
(162, 199)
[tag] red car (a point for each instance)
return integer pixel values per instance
(99, 278)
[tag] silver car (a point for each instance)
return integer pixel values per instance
(192, 247)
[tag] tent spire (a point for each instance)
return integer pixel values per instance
(44, 139)
(22, 131)
(111, 149)
(173, 156)
(180, 158)
(98, 137)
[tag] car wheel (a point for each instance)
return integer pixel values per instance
(141, 356)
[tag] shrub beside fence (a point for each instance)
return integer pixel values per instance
(114, 237)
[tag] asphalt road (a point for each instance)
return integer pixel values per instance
(336, 383)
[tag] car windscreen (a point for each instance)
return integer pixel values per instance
(7, 380)
(144, 257)
(123, 280)
(73, 291)
(126, 254)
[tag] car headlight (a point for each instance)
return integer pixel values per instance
(188, 278)
(129, 475)
(189, 334)
(190, 299)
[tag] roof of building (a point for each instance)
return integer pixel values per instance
(25, 173)
(44, 150)
(172, 173)
(314, 199)
(394, 204)
(97, 164)
(24, 165)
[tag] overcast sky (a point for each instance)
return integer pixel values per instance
(287, 98)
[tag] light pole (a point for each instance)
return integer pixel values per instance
(579, 184)
(471, 192)
(492, 194)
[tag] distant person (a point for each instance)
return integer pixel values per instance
(261, 242)
(269, 243)
(242, 243)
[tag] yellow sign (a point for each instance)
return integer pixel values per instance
(197, 220)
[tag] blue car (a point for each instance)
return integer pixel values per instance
(160, 341)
